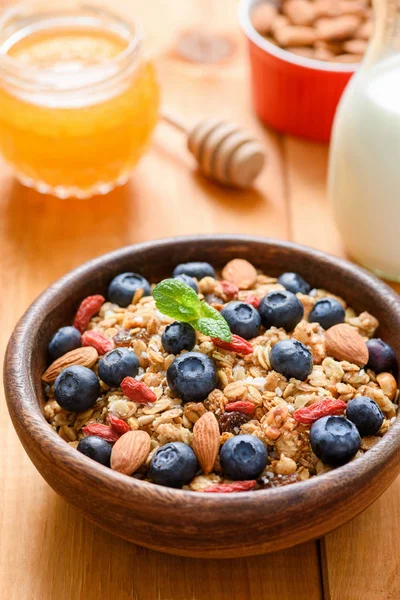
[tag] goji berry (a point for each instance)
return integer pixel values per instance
(323, 408)
(237, 344)
(247, 408)
(235, 486)
(253, 300)
(230, 290)
(98, 340)
(104, 431)
(137, 390)
(118, 424)
(89, 307)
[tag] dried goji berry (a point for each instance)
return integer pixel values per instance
(230, 290)
(118, 424)
(98, 340)
(104, 431)
(89, 307)
(137, 390)
(235, 486)
(253, 300)
(247, 408)
(237, 344)
(323, 408)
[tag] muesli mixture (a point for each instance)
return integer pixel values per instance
(220, 384)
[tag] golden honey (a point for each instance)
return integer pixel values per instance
(78, 103)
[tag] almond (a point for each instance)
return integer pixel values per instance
(206, 440)
(343, 342)
(241, 272)
(130, 452)
(388, 384)
(84, 357)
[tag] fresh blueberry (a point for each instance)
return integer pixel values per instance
(123, 287)
(96, 448)
(173, 465)
(243, 457)
(76, 388)
(281, 309)
(327, 312)
(291, 358)
(116, 365)
(382, 357)
(63, 341)
(365, 414)
(177, 337)
(335, 440)
(243, 319)
(294, 283)
(195, 269)
(189, 281)
(192, 376)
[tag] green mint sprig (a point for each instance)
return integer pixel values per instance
(179, 301)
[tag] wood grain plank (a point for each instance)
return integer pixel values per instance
(360, 559)
(47, 550)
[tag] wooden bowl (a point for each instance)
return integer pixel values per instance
(176, 521)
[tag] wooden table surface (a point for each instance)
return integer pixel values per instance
(47, 550)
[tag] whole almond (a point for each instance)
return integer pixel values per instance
(84, 357)
(295, 36)
(241, 272)
(300, 12)
(206, 439)
(263, 16)
(388, 384)
(130, 452)
(343, 342)
(355, 46)
(338, 29)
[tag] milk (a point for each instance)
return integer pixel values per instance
(364, 167)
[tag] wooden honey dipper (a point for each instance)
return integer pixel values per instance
(223, 152)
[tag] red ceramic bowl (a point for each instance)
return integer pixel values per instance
(293, 94)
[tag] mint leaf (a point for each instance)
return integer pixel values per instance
(212, 323)
(179, 301)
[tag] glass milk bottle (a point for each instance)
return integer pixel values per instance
(364, 165)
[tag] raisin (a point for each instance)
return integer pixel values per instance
(277, 481)
(123, 338)
(231, 422)
(213, 299)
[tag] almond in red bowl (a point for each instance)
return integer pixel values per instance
(302, 55)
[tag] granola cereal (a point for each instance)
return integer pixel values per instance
(252, 353)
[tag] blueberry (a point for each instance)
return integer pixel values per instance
(291, 358)
(63, 341)
(243, 457)
(116, 365)
(281, 309)
(335, 440)
(195, 269)
(365, 414)
(192, 376)
(76, 388)
(177, 337)
(189, 281)
(243, 319)
(96, 448)
(294, 283)
(327, 312)
(382, 357)
(123, 287)
(173, 465)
